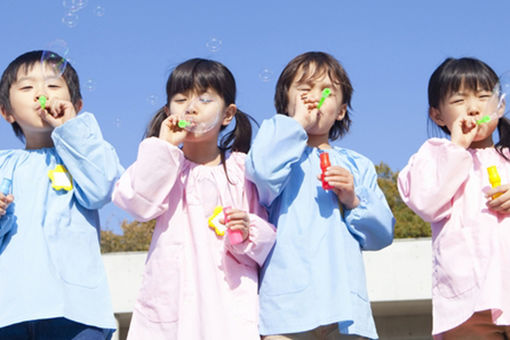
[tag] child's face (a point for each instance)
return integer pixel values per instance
(32, 83)
(206, 111)
(466, 103)
(310, 91)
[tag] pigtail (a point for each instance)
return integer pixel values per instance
(504, 136)
(239, 139)
(155, 124)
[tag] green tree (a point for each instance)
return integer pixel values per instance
(408, 224)
(136, 236)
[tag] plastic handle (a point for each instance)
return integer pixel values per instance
(234, 236)
(494, 179)
(5, 187)
(325, 163)
(324, 160)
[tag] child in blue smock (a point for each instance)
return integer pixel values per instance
(313, 282)
(52, 280)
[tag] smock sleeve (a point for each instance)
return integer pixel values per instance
(7, 220)
(278, 146)
(432, 177)
(262, 234)
(92, 162)
(144, 188)
(371, 222)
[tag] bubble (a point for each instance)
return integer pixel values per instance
(213, 45)
(72, 62)
(266, 75)
(496, 106)
(90, 85)
(152, 99)
(99, 11)
(74, 5)
(55, 56)
(503, 91)
(209, 110)
(70, 19)
(116, 122)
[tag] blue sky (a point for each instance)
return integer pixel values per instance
(124, 51)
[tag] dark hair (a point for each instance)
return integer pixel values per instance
(27, 61)
(472, 74)
(324, 63)
(200, 75)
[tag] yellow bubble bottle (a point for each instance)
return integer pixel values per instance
(494, 179)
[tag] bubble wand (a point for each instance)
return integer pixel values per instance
(499, 94)
(183, 123)
(325, 93)
(42, 101)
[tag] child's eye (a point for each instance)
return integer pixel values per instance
(53, 86)
(180, 100)
(205, 100)
(303, 89)
(26, 88)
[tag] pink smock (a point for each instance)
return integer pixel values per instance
(196, 285)
(445, 185)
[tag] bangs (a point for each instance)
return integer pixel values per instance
(471, 77)
(197, 77)
(314, 70)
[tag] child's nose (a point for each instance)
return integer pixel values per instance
(315, 95)
(191, 107)
(473, 110)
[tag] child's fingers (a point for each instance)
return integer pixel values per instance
(236, 216)
(501, 207)
(244, 228)
(5, 201)
(58, 111)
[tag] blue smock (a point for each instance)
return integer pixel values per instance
(315, 273)
(50, 262)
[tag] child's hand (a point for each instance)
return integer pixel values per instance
(171, 132)
(342, 182)
(58, 111)
(305, 110)
(464, 131)
(500, 204)
(5, 201)
(238, 220)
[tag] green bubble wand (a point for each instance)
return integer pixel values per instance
(42, 101)
(183, 123)
(484, 119)
(325, 93)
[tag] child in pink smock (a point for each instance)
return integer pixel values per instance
(447, 183)
(211, 235)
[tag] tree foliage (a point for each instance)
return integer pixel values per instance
(137, 235)
(408, 224)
